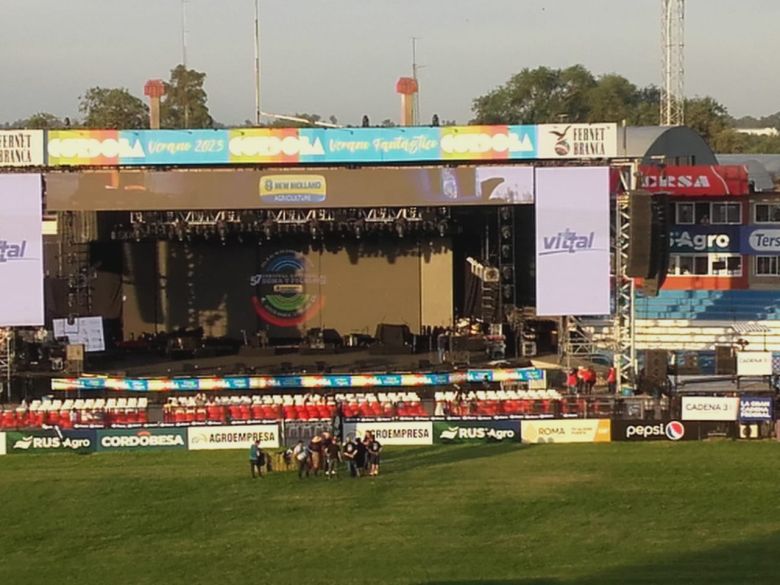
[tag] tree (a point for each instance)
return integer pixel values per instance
(184, 104)
(538, 96)
(707, 117)
(41, 121)
(613, 99)
(113, 108)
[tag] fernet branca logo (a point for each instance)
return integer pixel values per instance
(568, 242)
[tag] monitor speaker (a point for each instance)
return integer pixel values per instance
(656, 364)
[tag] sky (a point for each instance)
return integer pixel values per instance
(343, 57)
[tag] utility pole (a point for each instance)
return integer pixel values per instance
(184, 33)
(415, 68)
(185, 99)
(673, 48)
(258, 111)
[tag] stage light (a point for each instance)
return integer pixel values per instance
(506, 213)
(506, 251)
(506, 232)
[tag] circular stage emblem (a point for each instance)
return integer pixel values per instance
(288, 290)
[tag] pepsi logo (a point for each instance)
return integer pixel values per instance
(675, 430)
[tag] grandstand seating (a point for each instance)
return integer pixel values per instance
(224, 409)
(503, 402)
(68, 413)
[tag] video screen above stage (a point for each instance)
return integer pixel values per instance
(143, 190)
(286, 288)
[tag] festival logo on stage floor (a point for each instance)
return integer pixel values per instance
(288, 290)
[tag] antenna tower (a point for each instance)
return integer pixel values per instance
(673, 46)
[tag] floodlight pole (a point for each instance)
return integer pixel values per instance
(258, 110)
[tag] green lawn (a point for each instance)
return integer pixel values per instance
(691, 513)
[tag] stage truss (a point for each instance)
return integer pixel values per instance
(6, 361)
(585, 337)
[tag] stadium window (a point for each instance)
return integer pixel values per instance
(766, 266)
(684, 213)
(705, 265)
(766, 213)
(688, 265)
(723, 265)
(726, 213)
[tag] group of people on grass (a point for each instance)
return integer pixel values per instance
(324, 452)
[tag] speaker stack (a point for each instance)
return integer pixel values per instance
(648, 251)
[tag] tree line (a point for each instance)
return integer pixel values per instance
(540, 95)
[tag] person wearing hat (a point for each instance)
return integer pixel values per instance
(301, 455)
(315, 448)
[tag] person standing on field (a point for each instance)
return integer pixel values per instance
(374, 449)
(301, 455)
(350, 456)
(254, 459)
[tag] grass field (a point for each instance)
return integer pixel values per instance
(690, 513)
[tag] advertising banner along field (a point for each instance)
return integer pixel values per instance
(21, 250)
(473, 431)
(718, 408)
(566, 431)
(141, 439)
(232, 437)
(409, 432)
(671, 430)
(572, 241)
(50, 440)
(756, 408)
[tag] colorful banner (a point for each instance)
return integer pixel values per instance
(577, 141)
(21, 250)
(137, 147)
(141, 439)
(572, 241)
(282, 382)
(717, 408)
(696, 181)
(49, 440)
(566, 431)
(232, 437)
(402, 432)
(473, 431)
(756, 409)
(290, 146)
(21, 148)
